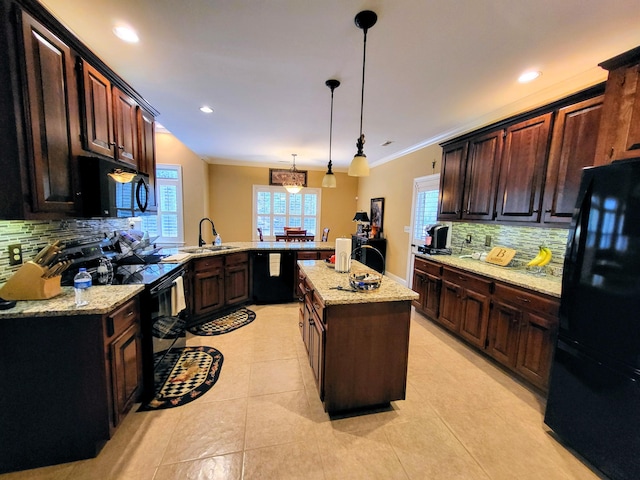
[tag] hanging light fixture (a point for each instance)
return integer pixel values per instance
(329, 179)
(121, 176)
(293, 184)
(359, 166)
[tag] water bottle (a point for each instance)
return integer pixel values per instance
(81, 284)
(218, 240)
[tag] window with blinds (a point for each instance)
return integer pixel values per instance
(274, 208)
(425, 206)
(167, 225)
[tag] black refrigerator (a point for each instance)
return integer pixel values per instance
(594, 391)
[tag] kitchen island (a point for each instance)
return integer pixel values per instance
(358, 342)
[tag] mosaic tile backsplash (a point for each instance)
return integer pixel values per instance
(525, 240)
(34, 235)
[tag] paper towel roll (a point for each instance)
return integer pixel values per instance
(343, 254)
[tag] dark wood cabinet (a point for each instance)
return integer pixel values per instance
(123, 346)
(522, 331)
(362, 252)
(147, 148)
(573, 147)
(208, 285)
(464, 305)
(54, 118)
(522, 170)
(72, 379)
(481, 177)
(312, 330)
(236, 274)
(619, 135)
(454, 158)
(427, 284)
(125, 117)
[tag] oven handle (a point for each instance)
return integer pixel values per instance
(167, 282)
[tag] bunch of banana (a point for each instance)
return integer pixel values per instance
(542, 258)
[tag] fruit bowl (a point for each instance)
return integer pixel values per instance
(365, 281)
(329, 264)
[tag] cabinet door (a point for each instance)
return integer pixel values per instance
(236, 287)
(474, 321)
(450, 305)
(53, 116)
(419, 285)
(454, 159)
(316, 351)
(126, 127)
(208, 290)
(522, 170)
(504, 331)
(126, 370)
(619, 136)
(98, 112)
(535, 348)
(573, 147)
(481, 178)
(147, 149)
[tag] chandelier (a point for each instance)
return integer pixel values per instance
(293, 182)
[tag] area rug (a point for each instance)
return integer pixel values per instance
(230, 322)
(184, 375)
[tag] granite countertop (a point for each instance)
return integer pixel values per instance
(179, 255)
(547, 284)
(103, 299)
(325, 279)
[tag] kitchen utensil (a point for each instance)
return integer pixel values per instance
(365, 281)
(500, 256)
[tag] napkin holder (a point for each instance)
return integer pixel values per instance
(27, 284)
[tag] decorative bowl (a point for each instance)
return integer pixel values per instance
(329, 264)
(365, 281)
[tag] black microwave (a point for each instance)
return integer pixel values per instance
(113, 189)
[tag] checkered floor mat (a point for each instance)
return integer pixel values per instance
(184, 375)
(226, 324)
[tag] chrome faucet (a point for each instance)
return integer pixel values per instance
(201, 242)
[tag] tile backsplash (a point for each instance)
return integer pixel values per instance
(525, 240)
(33, 235)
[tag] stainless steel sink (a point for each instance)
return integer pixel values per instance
(205, 249)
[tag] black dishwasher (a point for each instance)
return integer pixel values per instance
(273, 276)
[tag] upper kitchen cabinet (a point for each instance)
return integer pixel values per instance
(39, 174)
(522, 170)
(619, 136)
(147, 148)
(110, 118)
(454, 158)
(573, 147)
(46, 125)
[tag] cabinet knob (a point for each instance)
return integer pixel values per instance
(300, 324)
(112, 144)
(548, 210)
(120, 147)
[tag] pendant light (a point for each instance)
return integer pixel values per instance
(329, 179)
(292, 184)
(359, 166)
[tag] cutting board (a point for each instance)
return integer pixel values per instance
(500, 256)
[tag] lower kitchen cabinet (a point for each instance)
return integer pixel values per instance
(427, 284)
(515, 326)
(67, 383)
(464, 305)
(236, 278)
(522, 328)
(313, 331)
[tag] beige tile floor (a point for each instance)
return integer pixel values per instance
(463, 418)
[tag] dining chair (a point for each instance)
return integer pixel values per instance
(325, 235)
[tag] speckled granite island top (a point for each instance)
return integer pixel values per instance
(184, 254)
(103, 299)
(325, 279)
(547, 284)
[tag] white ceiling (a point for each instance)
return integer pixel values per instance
(434, 69)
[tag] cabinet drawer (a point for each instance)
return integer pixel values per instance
(309, 255)
(236, 258)
(119, 320)
(527, 300)
(325, 254)
(467, 281)
(208, 263)
(428, 267)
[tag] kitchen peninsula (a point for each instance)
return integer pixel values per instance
(358, 342)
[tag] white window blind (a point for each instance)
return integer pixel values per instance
(425, 206)
(167, 225)
(274, 208)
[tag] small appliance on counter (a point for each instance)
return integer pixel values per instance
(437, 240)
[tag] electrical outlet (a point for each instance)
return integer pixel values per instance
(15, 254)
(468, 239)
(487, 241)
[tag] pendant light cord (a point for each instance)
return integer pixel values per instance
(330, 131)
(364, 60)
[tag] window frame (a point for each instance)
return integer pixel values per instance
(160, 182)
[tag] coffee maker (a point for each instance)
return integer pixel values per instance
(436, 241)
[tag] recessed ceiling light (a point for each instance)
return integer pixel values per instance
(206, 109)
(126, 33)
(529, 76)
